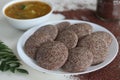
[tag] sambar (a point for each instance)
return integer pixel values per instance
(27, 9)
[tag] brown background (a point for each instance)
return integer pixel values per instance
(111, 71)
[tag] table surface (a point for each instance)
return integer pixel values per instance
(11, 35)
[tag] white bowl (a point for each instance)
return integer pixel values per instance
(25, 24)
(113, 50)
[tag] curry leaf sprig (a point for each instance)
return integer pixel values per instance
(9, 61)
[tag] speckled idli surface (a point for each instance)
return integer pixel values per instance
(62, 26)
(48, 29)
(33, 42)
(69, 38)
(98, 43)
(51, 55)
(81, 29)
(79, 59)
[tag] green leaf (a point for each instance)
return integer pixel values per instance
(12, 69)
(22, 7)
(22, 71)
(6, 67)
(7, 51)
(8, 60)
(15, 64)
(2, 65)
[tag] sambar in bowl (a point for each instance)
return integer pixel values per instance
(24, 14)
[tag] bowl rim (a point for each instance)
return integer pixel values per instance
(20, 49)
(17, 1)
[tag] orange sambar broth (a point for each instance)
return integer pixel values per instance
(27, 10)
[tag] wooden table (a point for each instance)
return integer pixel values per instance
(111, 71)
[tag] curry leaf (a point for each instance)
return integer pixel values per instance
(9, 61)
(22, 71)
(22, 7)
(12, 69)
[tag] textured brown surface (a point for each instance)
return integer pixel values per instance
(81, 29)
(97, 44)
(111, 71)
(51, 55)
(62, 26)
(49, 30)
(35, 41)
(79, 59)
(69, 38)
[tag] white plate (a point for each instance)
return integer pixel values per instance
(113, 50)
